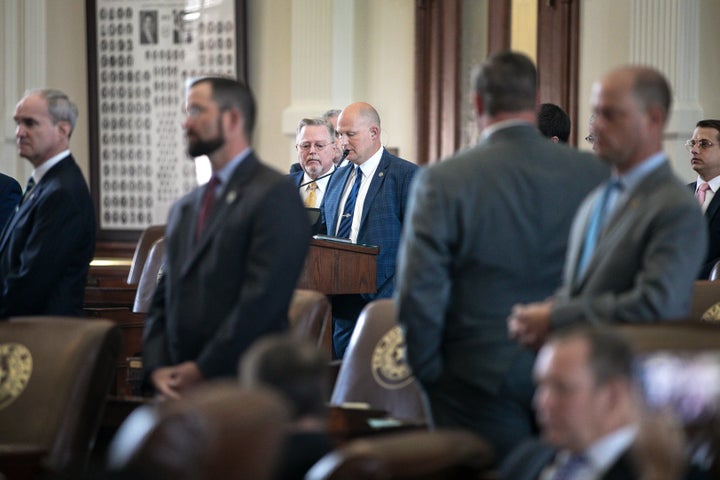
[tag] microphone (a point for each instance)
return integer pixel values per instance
(330, 174)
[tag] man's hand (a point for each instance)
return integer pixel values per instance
(530, 324)
(171, 382)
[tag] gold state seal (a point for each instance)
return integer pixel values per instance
(389, 365)
(15, 370)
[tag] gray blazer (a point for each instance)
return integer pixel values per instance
(485, 229)
(646, 259)
(221, 293)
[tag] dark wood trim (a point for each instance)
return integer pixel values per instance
(437, 88)
(499, 25)
(557, 55)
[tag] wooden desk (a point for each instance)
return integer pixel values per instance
(337, 268)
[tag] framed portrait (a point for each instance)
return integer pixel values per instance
(141, 53)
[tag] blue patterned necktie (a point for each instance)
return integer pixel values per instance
(595, 226)
(347, 216)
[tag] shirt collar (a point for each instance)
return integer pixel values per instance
(226, 172)
(714, 183)
(40, 171)
(633, 177)
(604, 452)
(487, 131)
(370, 165)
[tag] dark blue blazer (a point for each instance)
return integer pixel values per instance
(47, 246)
(10, 195)
(712, 216)
(382, 216)
(296, 177)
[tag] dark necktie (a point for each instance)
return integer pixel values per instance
(28, 188)
(208, 201)
(347, 216)
(595, 226)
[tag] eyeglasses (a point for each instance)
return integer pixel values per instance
(701, 144)
(590, 139)
(305, 147)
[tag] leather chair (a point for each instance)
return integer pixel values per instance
(705, 303)
(145, 243)
(439, 454)
(218, 430)
(671, 336)
(375, 370)
(310, 318)
(150, 275)
(715, 272)
(55, 374)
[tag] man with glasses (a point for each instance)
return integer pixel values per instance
(316, 147)
(365, 202)
(704, 148)
(638, 240)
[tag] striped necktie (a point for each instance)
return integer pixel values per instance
(28, 188)
(343, 230)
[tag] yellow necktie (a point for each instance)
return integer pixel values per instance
(311, 196)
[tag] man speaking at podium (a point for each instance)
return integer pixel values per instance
(365, 202)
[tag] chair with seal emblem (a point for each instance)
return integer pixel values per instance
(55, 374)
(705, 302)
(375, 371)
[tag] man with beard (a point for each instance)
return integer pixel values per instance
(316, 147)
(234, 249)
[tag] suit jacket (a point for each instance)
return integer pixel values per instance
(529, 459)
(712, 217)
(296, 177)
(382, 215)
(486, 229)
(47, 246)
(232, 286)
(10, 195)
(645, 261)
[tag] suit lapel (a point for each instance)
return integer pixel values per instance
(713, 207)
(375, 184)
(229, 196)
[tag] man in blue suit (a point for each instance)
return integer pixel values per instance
(378, 184)
(10, 195)
(47, 246)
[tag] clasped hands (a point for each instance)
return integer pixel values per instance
(529, 323)
(171, 382)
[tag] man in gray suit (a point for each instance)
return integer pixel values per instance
(638, 241)
(234, 249)
(485, 229)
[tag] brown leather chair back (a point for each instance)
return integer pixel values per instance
(375, 370)
(671, 336)
(705, 303)
(439, 454)
(55, 376)
(150, 274)
(310, 318)
(217, 431)
(145, 243)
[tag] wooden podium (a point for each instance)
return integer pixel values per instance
(337, 268)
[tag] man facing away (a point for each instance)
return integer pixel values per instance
(639, 239)
(486, 228)
(47, 245)
(365, 202)
(704, 148)
(234, 249)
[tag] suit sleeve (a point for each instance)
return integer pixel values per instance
(10, 195)
(672, 250)
(58, 226)
(424, 279)
(275, 258)
(155, 351)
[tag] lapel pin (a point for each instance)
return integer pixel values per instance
(381, 174)
(230, 197)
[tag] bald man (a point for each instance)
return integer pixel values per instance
(650, 240)
(365, 202)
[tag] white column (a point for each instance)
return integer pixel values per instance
(322, 52)
(665, 35)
